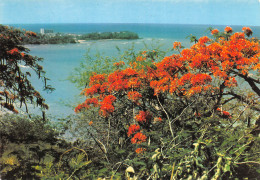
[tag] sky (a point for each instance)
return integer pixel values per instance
(211, 12)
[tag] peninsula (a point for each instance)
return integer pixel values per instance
(60, 38)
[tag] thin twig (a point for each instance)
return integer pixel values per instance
(240, 148)
(173, 166)
(59, 164)
(247, 162)
(170, 125)
(108, 133)
(175, 119)
(180, 142)
(98, 143)
(237, 117)
(120, 164)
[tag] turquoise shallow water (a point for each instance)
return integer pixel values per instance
(60, 60)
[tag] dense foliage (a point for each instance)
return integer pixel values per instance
(57, 38)
(33, 149)
(109, 35)
(192, 115)
(24, 144)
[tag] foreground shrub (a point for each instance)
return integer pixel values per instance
(26, 143)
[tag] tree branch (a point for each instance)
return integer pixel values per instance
(253, 162)
(251, 81)
(243, 99)
(170, 124)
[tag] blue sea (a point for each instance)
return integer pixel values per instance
(60, 60)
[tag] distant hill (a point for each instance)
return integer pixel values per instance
(109, 35)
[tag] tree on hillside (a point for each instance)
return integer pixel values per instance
(192, 115)
(16, 67)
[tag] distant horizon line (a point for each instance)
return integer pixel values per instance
(129, 23)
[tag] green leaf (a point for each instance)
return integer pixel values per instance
(227, 168)
(140, 163)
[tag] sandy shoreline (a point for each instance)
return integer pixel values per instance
(81, 41)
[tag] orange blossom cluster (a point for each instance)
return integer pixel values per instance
(140, 150)
(14, 51)
(214, 31)
(134, 96)
(143, 117)
(107, 107)
(224, 114)
(176, 45)
(133, 129)
(228, 29)
(247, 31)
(138, 138)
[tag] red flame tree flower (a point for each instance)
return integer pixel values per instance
(185, 90)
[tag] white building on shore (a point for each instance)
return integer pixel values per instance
(46, 31)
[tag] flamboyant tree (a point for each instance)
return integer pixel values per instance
(182, 109)
(16, 67)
